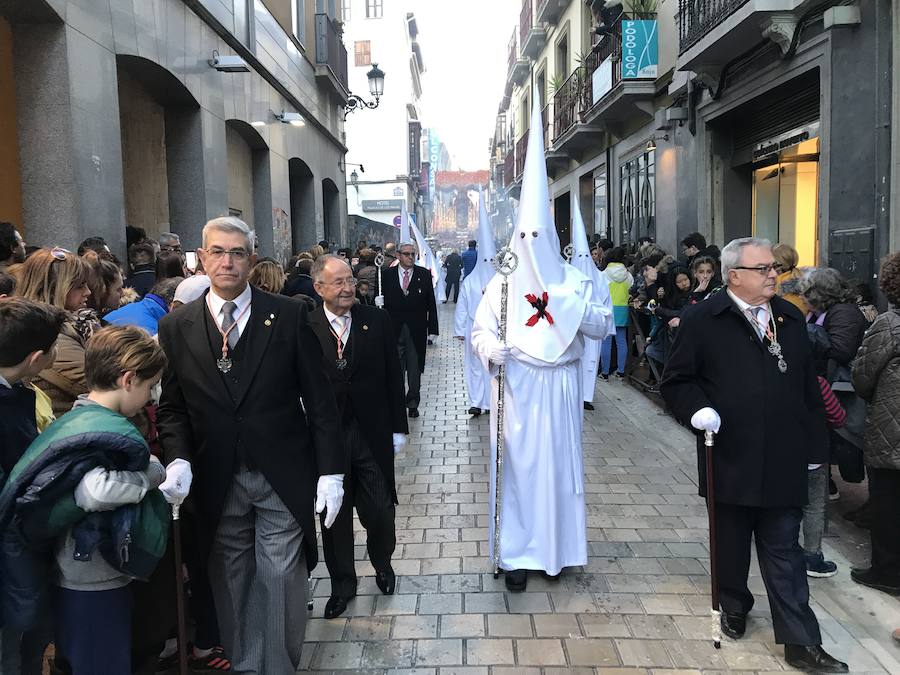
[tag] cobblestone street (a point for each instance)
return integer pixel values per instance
(640, 605)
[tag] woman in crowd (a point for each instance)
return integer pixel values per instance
(106, 293)
(705, 273)
(620, 281)
(678, 294)
(62, 279)
(876, 377)
(789, 277)
(267, 275)
(169, 265)
(367, 271)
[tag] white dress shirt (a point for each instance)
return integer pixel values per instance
(241, 302)
(334, 322)
(761, 322)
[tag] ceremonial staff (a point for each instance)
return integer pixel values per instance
(715, 614)
(505, 262)
(379, 263)
(569, 252)
(179, 591)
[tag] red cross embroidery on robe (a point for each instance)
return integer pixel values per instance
(540, 304)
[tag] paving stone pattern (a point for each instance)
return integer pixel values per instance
(641, 603)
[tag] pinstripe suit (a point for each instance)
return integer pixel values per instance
(256, 455)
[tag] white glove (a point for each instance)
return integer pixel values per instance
(177, 485)
(379, 301)
(399, 442)
(330, 496)
(499, 355)
(432, 338)
(706, 419)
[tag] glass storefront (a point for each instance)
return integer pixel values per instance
(786, 199)
(601, 220)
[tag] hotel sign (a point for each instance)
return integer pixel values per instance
(382, 205)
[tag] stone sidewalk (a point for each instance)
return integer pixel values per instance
(641, 604)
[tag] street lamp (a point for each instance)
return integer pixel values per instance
(354, 178)
(376, 89)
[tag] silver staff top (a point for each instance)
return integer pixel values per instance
(506, 261)
(379, 259)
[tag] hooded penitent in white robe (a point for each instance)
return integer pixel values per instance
(550, 311)
(584, 263)
(478, 382)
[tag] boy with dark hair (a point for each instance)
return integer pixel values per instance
(103, 498)
(28, 332)
(142, 260)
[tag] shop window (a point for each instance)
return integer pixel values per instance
(363, 52)
(600, 204)
(638, 198)
(374, 9)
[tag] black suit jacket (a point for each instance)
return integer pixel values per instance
(201, 422)
(416, 309)
(773, 423)
(375, 383)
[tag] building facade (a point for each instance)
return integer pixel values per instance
(122, 116)
(727, 117)
(386, 142)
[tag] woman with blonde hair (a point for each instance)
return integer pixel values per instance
(316, 251)
(787, 284)
(62, 279)
(268, 276)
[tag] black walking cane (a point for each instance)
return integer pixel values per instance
(715, 614)
(179, 592)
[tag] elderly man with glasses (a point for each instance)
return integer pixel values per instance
(408, 296)
(741, 367)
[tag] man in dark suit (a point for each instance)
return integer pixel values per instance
(359, 354)
(454, 266)
(741, 367)
(408, 296)
(243, 404)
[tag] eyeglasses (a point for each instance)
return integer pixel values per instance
(173, 249)
(59, 253)
(761, 269)
(410, 253)
(341, 283)
(237, 254)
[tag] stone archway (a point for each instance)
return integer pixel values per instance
(331, 205)
(250, 182)
(303, 204)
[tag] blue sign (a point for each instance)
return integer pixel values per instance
(640, 49)
(434, 157)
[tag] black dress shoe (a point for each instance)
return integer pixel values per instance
(336, 606)
(550, 577)
(386, 581)
(872, 579)
(814, 658)
(588, 406)
(413, 412)
(733, 625)
(475, 412)
(516, 580)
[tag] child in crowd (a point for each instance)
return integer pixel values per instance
(102, 466)
(7, 284)
(620, 282)
(814, 513)
(362, 293)
(704, 271)
(28, 333)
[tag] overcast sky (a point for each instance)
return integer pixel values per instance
(464, 44)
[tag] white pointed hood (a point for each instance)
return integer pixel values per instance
(483, 272)
(426, 258)
(405, 236)
(584, 263)
(541, 269)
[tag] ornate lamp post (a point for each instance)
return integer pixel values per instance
(376, 89)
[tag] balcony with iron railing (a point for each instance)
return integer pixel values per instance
(517, 64)
(331, 58)
(509, 168)
(549, 11)
(713, 32)
(521, 152)
(532, 35)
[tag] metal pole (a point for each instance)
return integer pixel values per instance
(505, 262)
(379, 263)
(715, 613)
(179, 591)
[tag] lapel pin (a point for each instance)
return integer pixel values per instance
(365, 327)
(271, 316)
(780, 319)
(268, 322)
